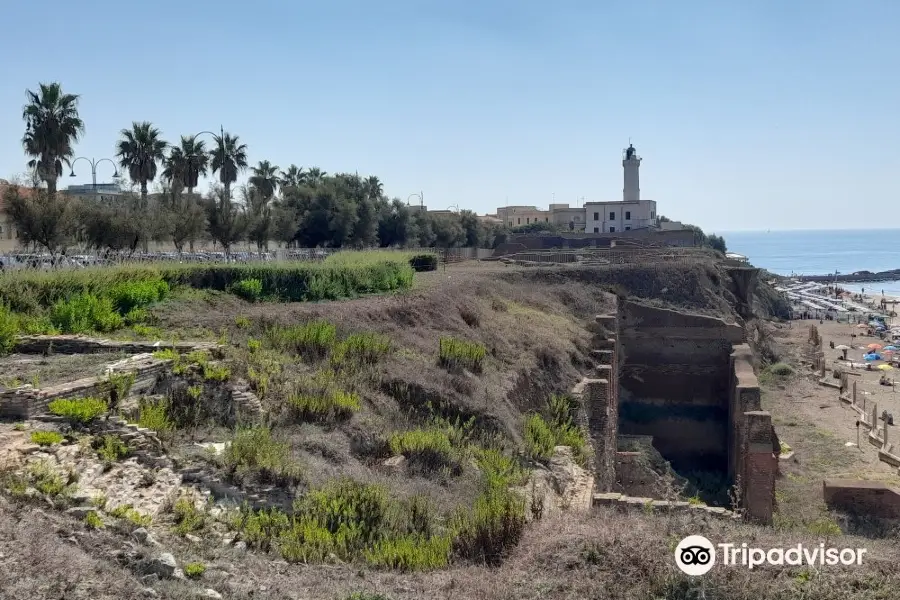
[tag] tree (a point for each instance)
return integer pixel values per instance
(139, 152)
(394, 223)
(114, 226)
(314, 176)
(228, 159)
(42, 217)
(180, 218)
(373, 187)
(226, 222)
(294, 176)
(264, 179)
(259, 216)
(196, 161)
(53, 128)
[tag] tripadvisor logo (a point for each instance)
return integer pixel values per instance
(695, 555)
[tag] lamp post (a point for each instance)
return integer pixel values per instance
(420, 196)
(220, 135)
(93, 162)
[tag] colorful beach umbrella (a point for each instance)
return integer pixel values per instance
(890, 348)
(874, 347)
(871, 357)
(885, 367)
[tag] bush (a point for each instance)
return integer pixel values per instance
(110, 448)
(84, 313)
(487, 532)
(78, 410)
(411, 553)
(46, 438)
(9, 329)
(194, 570)
(93, 521)
(781, 370)
(430, 449)
(130, 295)
(46, 480)
(127, 512)
(187, 517)
(155, 416)
(328, 405)
(424, 262)
(248, 289)
(360, 349)
(253, 451)
(456, 354)
(313, 340)
(542, 435)
(498, 469)
(539, 438)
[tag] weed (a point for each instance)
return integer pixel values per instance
(110, 448)
(491, 528)
(48, 481)
(241, 322)
(84, 313)
(99, 501)
(154, 416)
(411, 553)
(312, 340)
(254, 345)
(539, 438)
(360, 349)
(9, 329)
(248, 289)
(498, 469)
(194, 570)
(46, 438)
(79, 410)
(542, 435)
(121, 383)
(457, 354)
(254, 451)
(128, 513)
(195, 391)
(328, 405)
(429, 449)
(93, 521)
(213, 372)
(20, 427)
(187, 517)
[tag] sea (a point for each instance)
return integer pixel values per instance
(819, 252)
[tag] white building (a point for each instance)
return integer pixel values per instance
(631, 212)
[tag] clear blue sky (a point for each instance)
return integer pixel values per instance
(748, 114)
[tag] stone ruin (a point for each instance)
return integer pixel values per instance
(684, 384)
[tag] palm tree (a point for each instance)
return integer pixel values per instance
(315, 175)
(196, 161)
(139, 151)
(228, 158)
(53, 128)
(174, 169)
(374, 188)
(265, 179)
(294, 176)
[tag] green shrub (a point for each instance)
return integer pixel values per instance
(498, 469)
(248, 289)
(78, 410)
(328, 405)
(128, 513)
(187, 517)
(194, 570)
(488, 531)
(424, 262)
(9, 329)
(84, 313)
(241, 322)
(780, 370)
(135, 317)
(360, 349)
(253, 451)
(93, 521)
(110, 448)
(411, 553)
(261, 528)
(130, 295)
(46, 480)
(46, 438)
(312, 340)
(539, 438)
(430, 448)
(155, 416)
(213, 372)
(456, 354)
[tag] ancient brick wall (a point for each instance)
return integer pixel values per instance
(862, 498)
(759, 467)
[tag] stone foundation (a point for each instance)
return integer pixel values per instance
(862, 498)
(82, 344)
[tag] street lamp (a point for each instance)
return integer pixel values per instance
(221, 136)
(419, 196)
(93, 163)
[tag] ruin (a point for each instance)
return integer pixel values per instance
(683, 385)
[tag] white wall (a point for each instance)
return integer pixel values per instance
(607, 217)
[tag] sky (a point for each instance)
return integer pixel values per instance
(748, 115)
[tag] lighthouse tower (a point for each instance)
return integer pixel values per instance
(631, 163)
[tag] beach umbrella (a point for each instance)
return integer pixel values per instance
(862, 326)
(871, 357)
(885, 367)
(873, 347)
(842, 347)
(890, 348)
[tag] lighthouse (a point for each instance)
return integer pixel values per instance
(631, 164)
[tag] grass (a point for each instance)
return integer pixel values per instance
(46, 438)
(359, 349)
(93, 521)
(128, 513)
(776, 373)
(110, 448)
(78, 410)
(429, 448)
(48, 481)
(558, 429)
(188, 518)
(312, 340)
(330, 405)
(194, 570)
(250, 290)
(255, 452)
(155, 416)
(461, 354)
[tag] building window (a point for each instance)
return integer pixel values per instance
(612, 216)
(546, 219)
(596, 230)
(527, 220)
(627, 215)
(652, 214)
(519, 221)
(628, 228)
(612, 229)
(596, 216)
(510, 222)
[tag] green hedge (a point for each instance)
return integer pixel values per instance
(424, 262)
(31, 291)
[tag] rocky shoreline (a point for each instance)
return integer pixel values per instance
(858, 277)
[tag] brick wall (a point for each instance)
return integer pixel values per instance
(862, 498)
(759, 467)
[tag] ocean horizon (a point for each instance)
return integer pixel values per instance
(822, 251)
